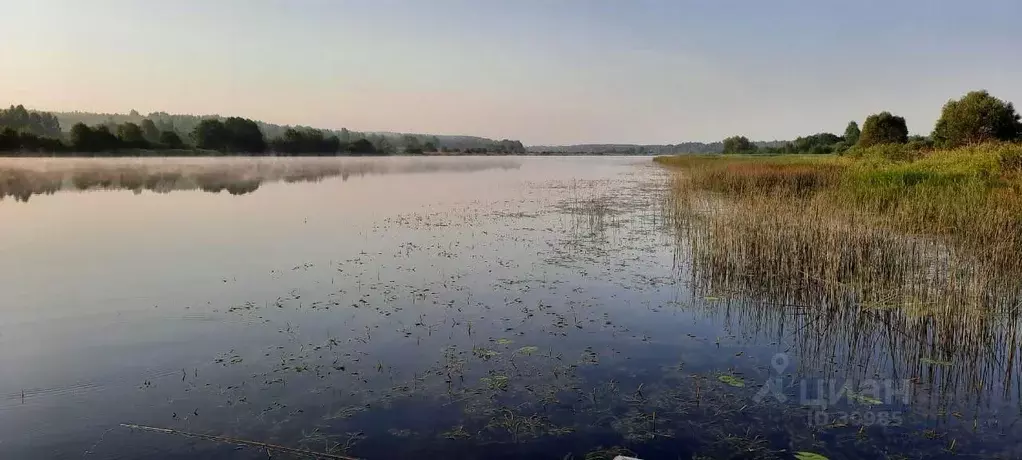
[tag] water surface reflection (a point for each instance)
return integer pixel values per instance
(552, 310)
(22, 178)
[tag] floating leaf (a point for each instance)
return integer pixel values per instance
(527, 350)
(935, 362)
(731, 380)
(485, 353)
(503, 341)
(809, 456)
(497, 382)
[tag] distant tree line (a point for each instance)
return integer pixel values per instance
(12, 140)
(21, 129)
(32, 132)
(628, 149)
(30, 122)
(739, 144)
(974, 118)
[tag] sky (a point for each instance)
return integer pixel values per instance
(542, 71)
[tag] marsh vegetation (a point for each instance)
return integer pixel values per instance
(914, 255)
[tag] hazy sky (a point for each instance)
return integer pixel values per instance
(543, 71)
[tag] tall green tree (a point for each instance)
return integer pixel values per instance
(883, 128)
(852, 133)
(411, 144)
(362, 147)
(131, 136)
(149, 131)
(211, 134)
(738, 144)
(81, 138)
(232, 135)
(10, 140)
(21, 119)
(93, 140)
(104, 140)
(382, 145)
(305, 141)
(976, 117)
(816, 143)
(244, 136)
(171, 140)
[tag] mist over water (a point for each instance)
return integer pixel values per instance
(22, 178)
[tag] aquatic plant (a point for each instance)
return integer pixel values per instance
(915, 253)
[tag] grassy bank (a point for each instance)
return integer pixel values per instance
(942, 227)
(915, 249)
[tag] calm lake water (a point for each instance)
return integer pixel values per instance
(456, 307)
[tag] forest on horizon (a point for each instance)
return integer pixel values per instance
(30, 131)
(980, 116)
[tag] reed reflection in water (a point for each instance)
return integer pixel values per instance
(856, 302)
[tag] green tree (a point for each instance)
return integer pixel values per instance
(171, 140)
(883, 128)
(411, 144)
(361, 147)
(852, 133)
(233, 135)
(976, 117)
(10, 140)
(18, 142)
(131, 135)
(97, 139)
(104, 140)
(82, 138)
(23, 120)
(816, 143)
(210, 134)
(244, 136)
(738, 144)
(382, 145)
(919, 143)
(305, 141)
(149, 131)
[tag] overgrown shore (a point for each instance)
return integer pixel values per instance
(918, 251)
(940, 228)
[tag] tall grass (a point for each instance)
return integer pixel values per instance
(965, 203)
(921, 246)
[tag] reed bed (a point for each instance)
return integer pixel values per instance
(915, 254)
(959, 209)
